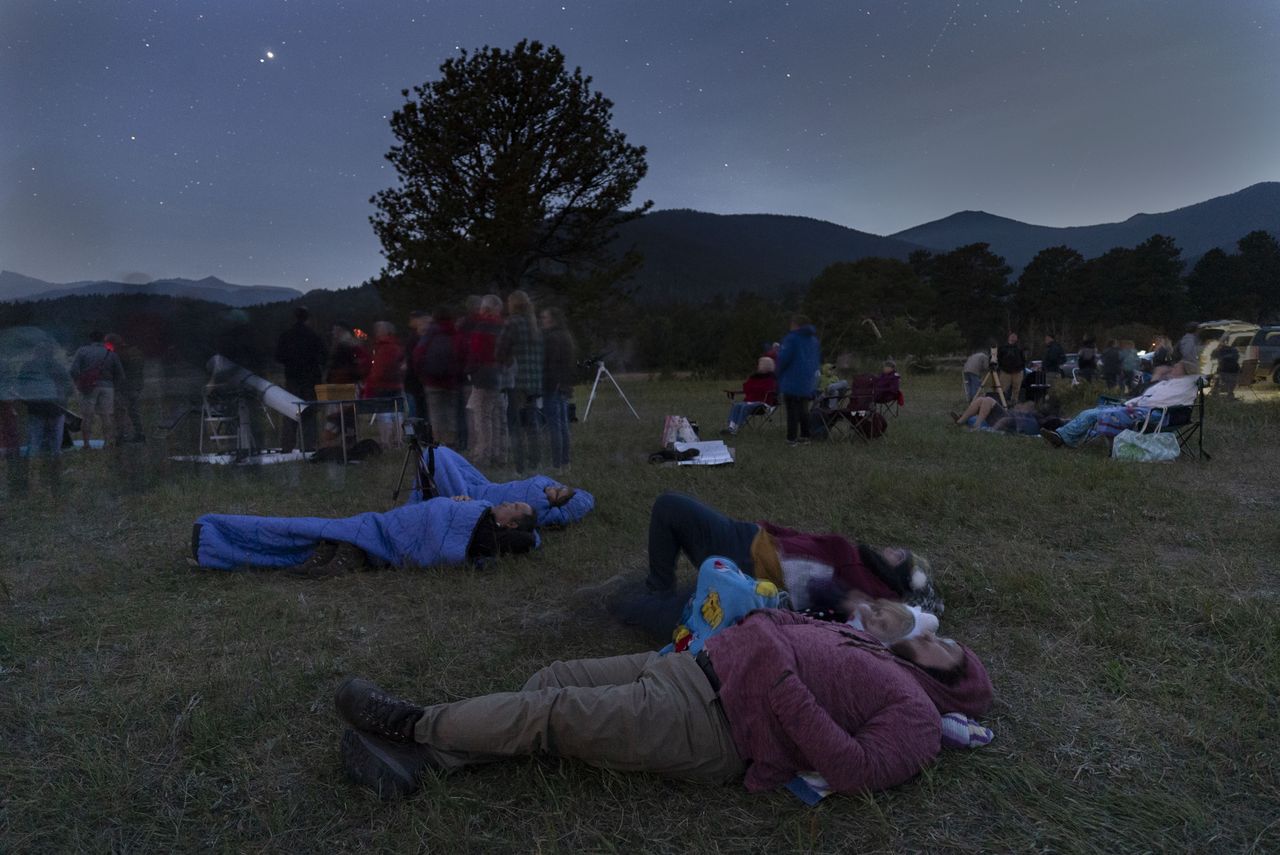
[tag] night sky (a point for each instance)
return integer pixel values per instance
(243, 138)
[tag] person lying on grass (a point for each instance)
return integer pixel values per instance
(1179, 390)
(554, 504)
(439, 531)
(986, 413)
(767, 700)
(815, 570)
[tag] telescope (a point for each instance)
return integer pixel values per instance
(226, 417)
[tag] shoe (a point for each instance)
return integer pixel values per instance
(316, 564)
(388, 768)
(367, 707)
(729, 431)
(1052, 437)
(955, 417)
(348, 558)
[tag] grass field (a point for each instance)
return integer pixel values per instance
(1127, 614)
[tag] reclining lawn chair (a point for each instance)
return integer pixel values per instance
(1185, 421)
(759, 415)
(853, 414)
(887, 394)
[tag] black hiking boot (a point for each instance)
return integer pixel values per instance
(388, 768)
(367, 707)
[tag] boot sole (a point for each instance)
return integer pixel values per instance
(380, 767)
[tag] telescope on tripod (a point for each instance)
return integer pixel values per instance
(602, 371)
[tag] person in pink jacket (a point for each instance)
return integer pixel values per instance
(770, 699)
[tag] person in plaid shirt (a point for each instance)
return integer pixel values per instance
(521, 345)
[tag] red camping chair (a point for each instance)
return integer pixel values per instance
(888, 397)
(759, 415)
(854, 413)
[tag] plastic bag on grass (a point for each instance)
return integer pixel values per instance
(1145, 447)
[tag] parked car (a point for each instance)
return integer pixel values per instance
(1265, 348)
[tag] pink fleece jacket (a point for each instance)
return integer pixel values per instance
(805, 695)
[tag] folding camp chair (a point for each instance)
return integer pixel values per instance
(887, 397)
(758, 416)
(1185, 421)
(853, 414)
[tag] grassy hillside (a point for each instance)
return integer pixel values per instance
(1127, 614)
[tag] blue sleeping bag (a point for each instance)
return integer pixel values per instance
(455, 476)
(420, 534)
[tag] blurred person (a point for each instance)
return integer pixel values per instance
(1054, 356)
(559, 367)
(975, 370)
(1087, 360)
(767, 700)
(1012, 363)
(1228, 356)
(385, 381)
(44, 384)
(302, 353)
(438, 361)
(757, 391)
(986, 413)
(348, 359)
(471, 313)
(1161, 352)
(485, 412)
(521, 346)
(96, 372)
(415, 397)
(129, 394)
(1189, 350)
(799, 360)
(1129, 364)
(1112, 364)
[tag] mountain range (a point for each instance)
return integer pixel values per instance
(15, 286)
(693, 256)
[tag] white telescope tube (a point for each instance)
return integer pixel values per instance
(224, 372)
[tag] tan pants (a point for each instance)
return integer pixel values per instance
(637, 713)
(1011, 383)
(486, 423)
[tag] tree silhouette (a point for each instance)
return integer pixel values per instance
(511, 175)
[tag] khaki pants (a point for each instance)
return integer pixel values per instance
(1011, 382)
(637, 713)
(486, 418)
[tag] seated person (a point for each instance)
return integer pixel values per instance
(815, 570)
(888, 384)
(985, 413)
(438, 531)
(1180, 389)
(758, 391)
(554, 504)
(771, 699)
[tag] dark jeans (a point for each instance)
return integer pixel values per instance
(680, 523)
(523, 423)
(797, 416)
(556, 410)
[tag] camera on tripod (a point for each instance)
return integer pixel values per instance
(419, 429)
(592, 361)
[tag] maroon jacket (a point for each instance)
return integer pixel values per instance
(760, 388)
(804, 695)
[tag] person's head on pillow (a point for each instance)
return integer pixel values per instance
(890, 621)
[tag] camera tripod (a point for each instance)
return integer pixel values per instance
(423, 460)
(601, 371)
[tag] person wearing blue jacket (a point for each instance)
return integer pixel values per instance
(798, 364)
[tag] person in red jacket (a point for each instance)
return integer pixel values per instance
(759, 391)
(772, 698)
(385, 379)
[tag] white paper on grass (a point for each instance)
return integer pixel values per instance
(713, 453)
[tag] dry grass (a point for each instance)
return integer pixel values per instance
(1126, 612)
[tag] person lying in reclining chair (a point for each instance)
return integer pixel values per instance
(1179, 390)
(779, 700)
(439, 531)
(818, 571)
(554, 504)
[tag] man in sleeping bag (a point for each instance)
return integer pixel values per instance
(438, 531)
(817, 571)
(554, 504)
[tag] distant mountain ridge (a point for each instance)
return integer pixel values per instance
(15, 286)
(693, 256)
(1198, 228)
